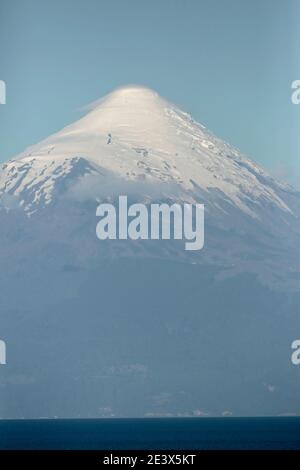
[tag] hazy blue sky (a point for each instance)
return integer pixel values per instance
(230, 63)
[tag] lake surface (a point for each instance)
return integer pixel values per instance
(165, 433)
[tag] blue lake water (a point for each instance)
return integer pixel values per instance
(165, 433)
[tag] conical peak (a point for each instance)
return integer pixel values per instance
(131, 95)
(135, 134)
(132, 112)
(132, 115)
(134, 91)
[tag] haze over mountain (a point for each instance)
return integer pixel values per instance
(130, 327)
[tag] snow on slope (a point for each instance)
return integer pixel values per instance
(136, 135)
(135, 142)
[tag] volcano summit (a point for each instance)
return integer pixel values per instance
(92, 311)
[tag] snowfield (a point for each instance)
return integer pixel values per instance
(133, 142)
(136, 135)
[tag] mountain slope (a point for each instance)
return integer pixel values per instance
(144, 328)
(136, 134)
(134, 142)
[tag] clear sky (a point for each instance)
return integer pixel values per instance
(230, 63)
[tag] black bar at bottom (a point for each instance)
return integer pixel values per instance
(133, 459)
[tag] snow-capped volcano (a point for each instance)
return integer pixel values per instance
(133, 140)
(145, 328)
(137, 135)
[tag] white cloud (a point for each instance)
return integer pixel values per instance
(99, 187)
